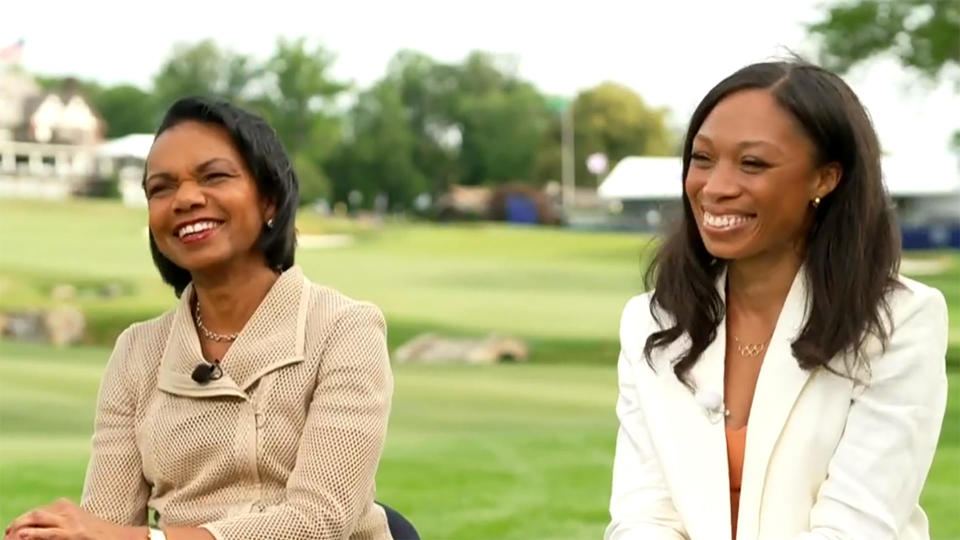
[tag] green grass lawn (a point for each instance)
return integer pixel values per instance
(514, 451)
(506, 452)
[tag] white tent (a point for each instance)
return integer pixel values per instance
(658, 178)
(129, 153)
(921, 176)
(643, 178)
(136, 145)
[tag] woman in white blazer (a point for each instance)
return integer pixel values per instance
(781, 380)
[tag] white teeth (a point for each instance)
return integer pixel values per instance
(196, 227)
(725, 221)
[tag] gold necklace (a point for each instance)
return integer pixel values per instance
(749, 350)
(209, 334)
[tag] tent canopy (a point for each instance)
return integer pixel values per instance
(658, 178)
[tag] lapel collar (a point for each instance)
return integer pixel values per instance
(699, 453)
(778, 386)
(273, 337)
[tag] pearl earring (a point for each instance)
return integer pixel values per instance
(815, 202)
(270, 223)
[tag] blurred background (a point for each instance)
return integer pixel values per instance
(493, 175)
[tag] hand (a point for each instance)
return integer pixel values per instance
(64, 520)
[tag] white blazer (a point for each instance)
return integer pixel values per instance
(826, 458)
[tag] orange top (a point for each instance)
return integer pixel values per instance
(736, 442)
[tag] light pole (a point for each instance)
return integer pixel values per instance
(567, 158)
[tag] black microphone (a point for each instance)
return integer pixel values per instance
(205, 373)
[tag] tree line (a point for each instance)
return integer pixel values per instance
(428, 124)
(422, 127)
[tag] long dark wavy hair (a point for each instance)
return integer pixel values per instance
(852, 251)
(267, 161)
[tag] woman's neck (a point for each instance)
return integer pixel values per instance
(760, 285)
(229, 298)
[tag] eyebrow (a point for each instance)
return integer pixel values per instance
(161, 174)
(199, 168)
(741, 144)
(211, 162)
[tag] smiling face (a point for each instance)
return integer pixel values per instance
(205, 210)
(752, 177)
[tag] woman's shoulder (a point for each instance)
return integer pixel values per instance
(333, 302)
(917, 330)
(329, 307)
(636, 323)
(636, 310)
(642, 314)
(911, 297)
(147, 332)
(341, 330)
(138, 345)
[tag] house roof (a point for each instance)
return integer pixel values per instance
(32, 103)
(659, 178)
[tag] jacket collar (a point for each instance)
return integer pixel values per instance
(779, 385)
(273, 337)
(699, 454)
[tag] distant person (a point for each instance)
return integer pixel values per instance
(257, 407)
(780, 381)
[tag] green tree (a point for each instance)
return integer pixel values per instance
(427, 91)
(312, 178)
(203, 69)
(475, 122)
(378, 154)
(297, 98)
(503, 121)
(922, 34)
(299, 95)
(613, 119)
(126, 109)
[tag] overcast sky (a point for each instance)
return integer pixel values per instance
(670, 51)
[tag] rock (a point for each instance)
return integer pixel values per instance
(24, 326)
(436, 349)
(64, 325)
(324, 241)
(495, 350)
(63, 292)
(111, 290)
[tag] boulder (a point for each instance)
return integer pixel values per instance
(111, 290)
(436, 349)
(24, 326)
(65, 325)
(63, 292)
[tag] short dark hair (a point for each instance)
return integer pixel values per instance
(853, 246)
(267, 161)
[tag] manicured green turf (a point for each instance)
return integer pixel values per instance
(511, 451)
(506, 452)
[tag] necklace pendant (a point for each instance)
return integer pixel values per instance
(749, 350)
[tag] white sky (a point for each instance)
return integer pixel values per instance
(670, 51)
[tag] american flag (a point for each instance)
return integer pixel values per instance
(13, 52)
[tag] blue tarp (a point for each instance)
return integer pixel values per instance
(934, 236)
(521, 209)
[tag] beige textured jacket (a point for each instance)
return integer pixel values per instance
(284, 445)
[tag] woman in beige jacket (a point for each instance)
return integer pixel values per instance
(257, 407)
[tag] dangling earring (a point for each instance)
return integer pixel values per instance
(815, 202)
(270, 223)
